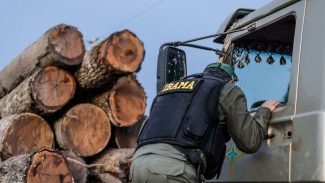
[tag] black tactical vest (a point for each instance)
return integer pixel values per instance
(184, 114)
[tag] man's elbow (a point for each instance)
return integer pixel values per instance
(249, 148)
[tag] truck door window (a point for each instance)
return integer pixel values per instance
(262, 60)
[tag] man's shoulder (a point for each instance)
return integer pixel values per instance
(231, 88)
(230, 92)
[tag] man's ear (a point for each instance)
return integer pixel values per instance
(231, 81)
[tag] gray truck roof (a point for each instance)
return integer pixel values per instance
(247, 16)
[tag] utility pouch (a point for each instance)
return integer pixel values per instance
(197, 158)
(195, 130)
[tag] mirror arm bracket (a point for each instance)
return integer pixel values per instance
(186, 43)
(176, 44)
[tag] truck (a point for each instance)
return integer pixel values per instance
(277, 52)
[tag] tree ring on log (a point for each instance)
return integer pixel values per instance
(86, 129)
(53, 88)
(127, 101)
(68, 43)
(26, 134)
(124, 51)
(50, 167)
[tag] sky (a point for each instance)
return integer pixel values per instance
(153, 21)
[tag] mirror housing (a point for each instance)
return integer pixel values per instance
(171, 65)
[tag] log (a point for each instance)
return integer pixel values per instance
(60, 45)
(104, 178)
(44, 92)
(114, 163)
(122, 52)
(44, 166)
(77, 167)
(14, 169)
(85, 129)
(125, 103)
(126, 137)
(18, 134)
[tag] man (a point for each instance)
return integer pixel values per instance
(189, 123)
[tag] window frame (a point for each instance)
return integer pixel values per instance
(288, 111)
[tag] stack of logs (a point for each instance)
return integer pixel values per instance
(67, 115)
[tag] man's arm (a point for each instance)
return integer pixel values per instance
(247, 131)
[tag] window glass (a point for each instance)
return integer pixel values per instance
(262, 80)
(262, 61)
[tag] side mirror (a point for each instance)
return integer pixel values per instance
(171, 65)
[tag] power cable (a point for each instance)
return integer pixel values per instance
(139, 14)
(142, 12)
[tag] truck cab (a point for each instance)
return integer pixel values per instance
(278, 54)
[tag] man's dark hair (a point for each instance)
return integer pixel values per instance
(217, 72)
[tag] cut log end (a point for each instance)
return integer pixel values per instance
(26, 134)
(67, 42)
(126, 137)
(50, 167)
(124, 51)
(127, 101)
(53, 88)
(86, 129)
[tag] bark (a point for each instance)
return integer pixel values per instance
(113, 163)
(14, 169)
(18, 134)
(44, 166)
(60, 45)
(46, 91)
(85, 129)
(77, 167)
(124, 103)
(103, 178)
(122, 52)
(126, 137)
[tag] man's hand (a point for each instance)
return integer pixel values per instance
(271, 104)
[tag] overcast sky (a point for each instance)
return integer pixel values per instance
(153, 21)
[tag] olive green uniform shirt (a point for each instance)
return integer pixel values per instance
(246, 131)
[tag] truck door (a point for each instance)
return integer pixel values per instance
(266, 60)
